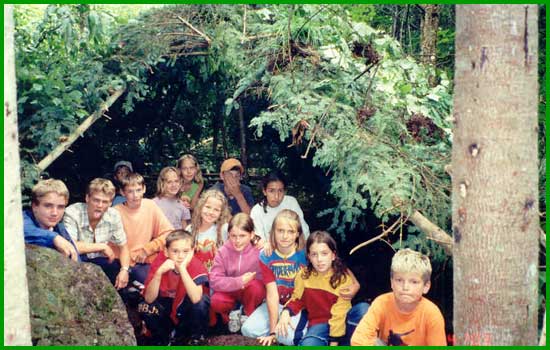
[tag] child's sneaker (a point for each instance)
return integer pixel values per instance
(234, 324)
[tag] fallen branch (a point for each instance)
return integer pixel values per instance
(195, 30)
(63, 146)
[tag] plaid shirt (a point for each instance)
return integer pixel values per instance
(108, 229)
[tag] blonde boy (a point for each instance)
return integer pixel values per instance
(404, 316)
(41, 223)
(94, 225)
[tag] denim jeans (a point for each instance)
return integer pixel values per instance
(318, 335)
(257, 325)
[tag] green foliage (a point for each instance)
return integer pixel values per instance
(373, 159)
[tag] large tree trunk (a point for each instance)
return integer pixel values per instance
(17, 325)
(495, 177)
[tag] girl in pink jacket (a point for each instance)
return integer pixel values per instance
(235, 275)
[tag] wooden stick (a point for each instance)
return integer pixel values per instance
(63, 146)
(195, 30)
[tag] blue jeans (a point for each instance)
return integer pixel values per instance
(318, 335)
(257, 325)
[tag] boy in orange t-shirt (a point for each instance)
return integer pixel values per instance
(404, 316)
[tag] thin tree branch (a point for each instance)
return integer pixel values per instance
(195, 30)
(63, 146)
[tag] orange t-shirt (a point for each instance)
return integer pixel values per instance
(146, 227)
(424, 326)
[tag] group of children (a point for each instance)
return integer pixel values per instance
(261, 272)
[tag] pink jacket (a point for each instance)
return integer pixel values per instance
(230, 265)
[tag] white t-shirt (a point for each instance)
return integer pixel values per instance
(263, 220)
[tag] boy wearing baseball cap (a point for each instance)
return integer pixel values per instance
(239, 196)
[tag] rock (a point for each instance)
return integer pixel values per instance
(73, 303)
(231, 339)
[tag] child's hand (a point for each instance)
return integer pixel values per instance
(138, 255)
(247, 277)
(267, 340)
(108, 252)
(185, 262)
(166, 266)
(268, 249)
(284, 323)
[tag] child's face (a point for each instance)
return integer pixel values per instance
(321, 257)
(211, 210)
(97, 203)
(121, 172)
(49, 211)
(240, 238)
(188, 170)
(172, 184)
(179, 250)
(408, 288)
(274, 192)
(285, 235)
(134, 194)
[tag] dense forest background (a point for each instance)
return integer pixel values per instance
(352, 102)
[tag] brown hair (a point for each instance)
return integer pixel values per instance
(293, 219)
(103, 186)
(176, 235)
(225, 215)
(339, 270)
(43, 187)
(132, 179)
(161, 180)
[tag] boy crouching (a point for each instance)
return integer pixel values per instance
(404, 316)
(174, 292)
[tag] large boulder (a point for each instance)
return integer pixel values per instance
(73, 303)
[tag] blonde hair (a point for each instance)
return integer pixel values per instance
(293, 219)
(225, 215)
(43, 187)
(407, 260)
(161, 180)
(102, 186)
(133, 179)
(198, 175)
(242, 221)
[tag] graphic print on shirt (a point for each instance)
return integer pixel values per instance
(205, 252)
(395, 339)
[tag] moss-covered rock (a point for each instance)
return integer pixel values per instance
(73, 303)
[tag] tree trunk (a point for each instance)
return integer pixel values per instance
(429, 34)
(242, 129)
(495, 175)
(17, 324)
(428, 45)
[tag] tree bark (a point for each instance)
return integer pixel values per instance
(429, 34)
(17, 324)
(495, 175)
(63, 146)
(428, 45)
(242, 129)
